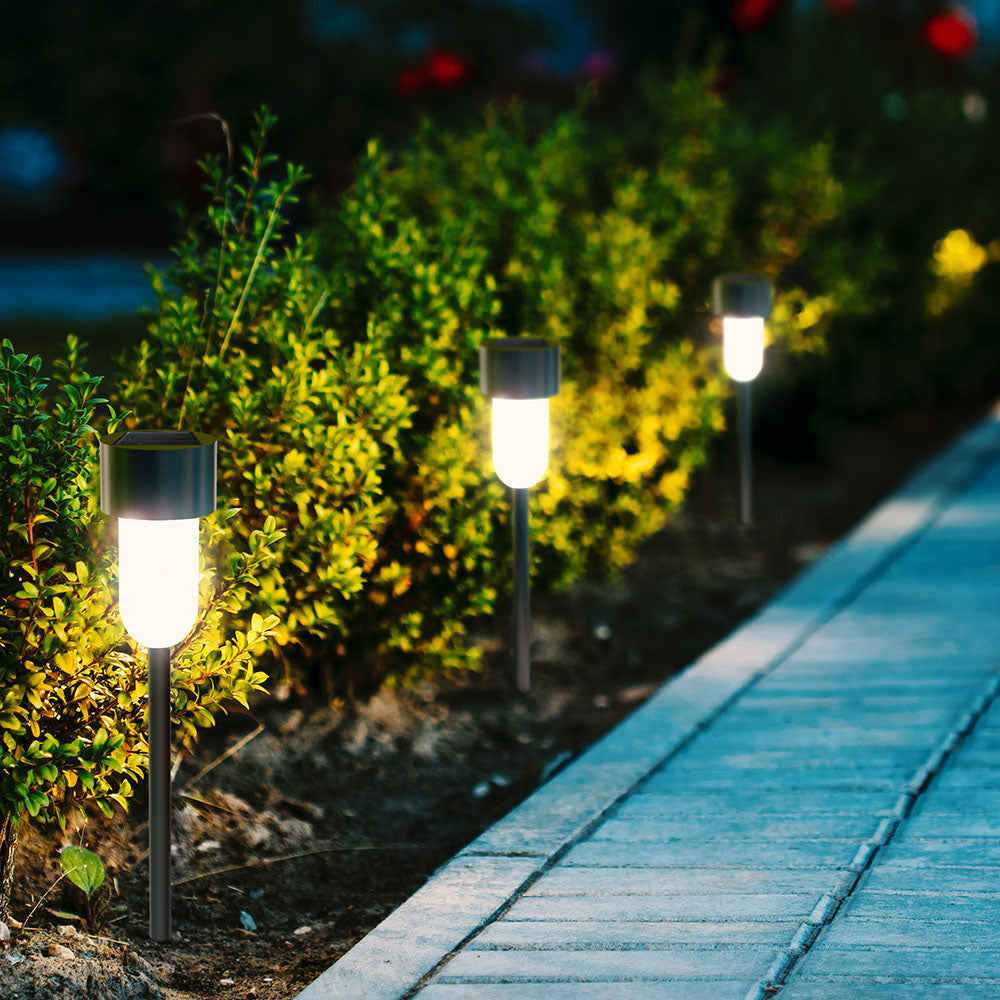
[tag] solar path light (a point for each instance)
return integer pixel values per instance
(158, 483)
(520, 374)
(743, 301)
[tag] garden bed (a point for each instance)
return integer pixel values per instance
(322, 820)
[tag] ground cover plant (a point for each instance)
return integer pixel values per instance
(73, 684)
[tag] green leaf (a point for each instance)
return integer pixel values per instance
(83, 868)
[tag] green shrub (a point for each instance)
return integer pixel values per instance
(603, 238)
(345, 392)
(237, 346)
(72, 683)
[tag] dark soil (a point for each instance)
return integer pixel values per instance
(318, 826)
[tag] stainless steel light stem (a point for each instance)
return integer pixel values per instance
(522, 590)
(159, 794)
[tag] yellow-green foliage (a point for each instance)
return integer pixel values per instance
(604, 238)
(238, 347)
(72, 683)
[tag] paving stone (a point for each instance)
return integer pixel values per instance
(847, 719)
(858, 990)
(680, 906)
(969, 756)
(781, 779)
(848, 932)
(750, 827)
(888, 877)
(608, 966)
(524, 934)
(961, 805)
(925, 906)
(941, 852)
(717, 989)
(696, 756)
(753, 802)
(816, 740)
(863, 676)
(577, 881)
(908, 965)
(954, 827)
(791, 855)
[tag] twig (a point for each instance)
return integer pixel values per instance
(235, 748)
(206, 802)
(258, 256)
(41, 899)
(301, 854)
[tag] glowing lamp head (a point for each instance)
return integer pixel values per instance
(158, 483)
(743, 346)
(744, 302)
(519, 374)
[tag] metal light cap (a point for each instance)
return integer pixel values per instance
(742, 295)
(158, 475)
(519, 368)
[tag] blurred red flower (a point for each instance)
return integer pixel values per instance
(953, 33)
(445, 69)
(749, 15)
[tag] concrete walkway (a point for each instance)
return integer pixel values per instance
(812, 810)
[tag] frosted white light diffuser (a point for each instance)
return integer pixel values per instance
(743, 346)
(520, 440)
(158, 579)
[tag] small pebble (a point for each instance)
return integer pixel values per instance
(227, 982)
(306, 929)
(500, 780)
(208, 845)
(602, 631)
(59, 951)
(601, 701)
(4, 932)
(247, 921)
(481, 790)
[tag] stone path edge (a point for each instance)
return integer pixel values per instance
(483, 880)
